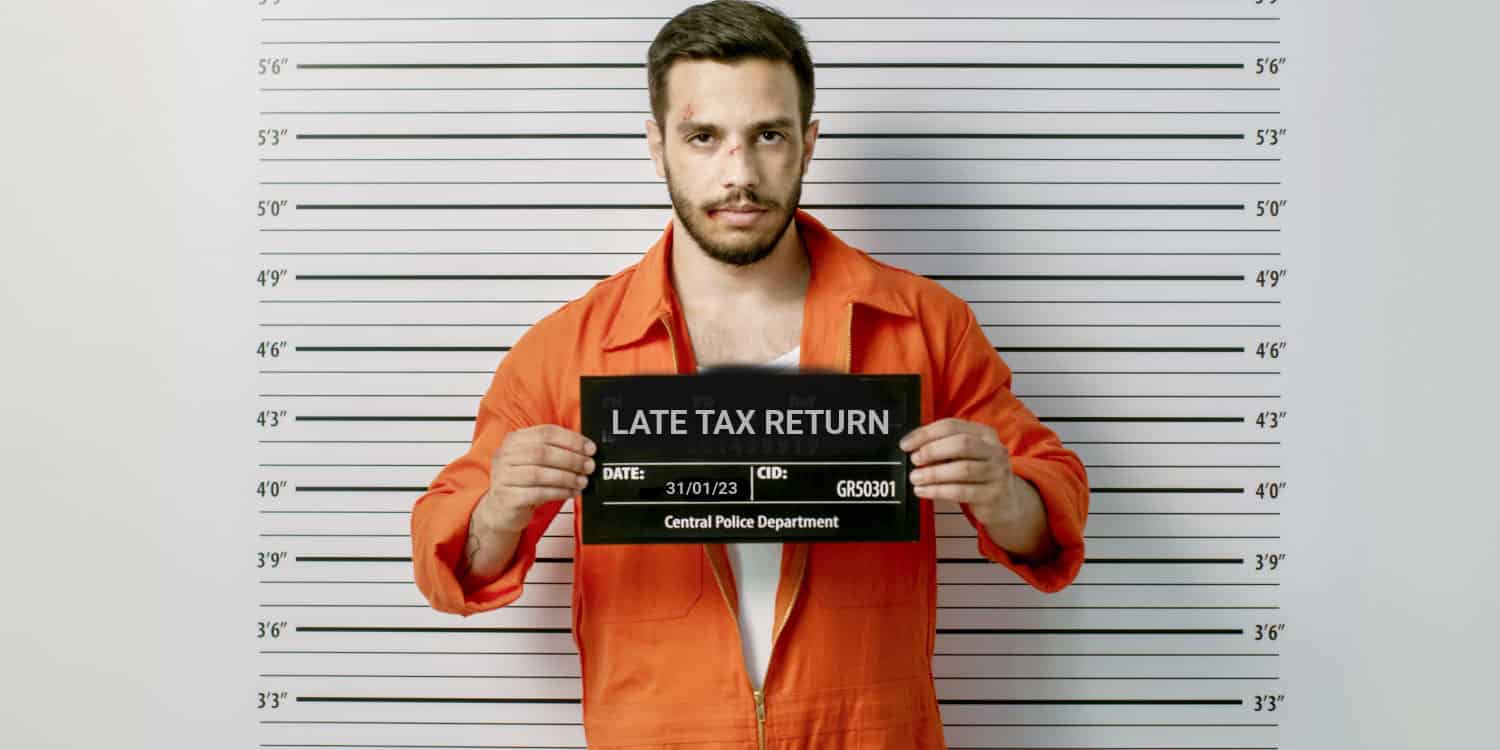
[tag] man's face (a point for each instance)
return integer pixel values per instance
(730, 141)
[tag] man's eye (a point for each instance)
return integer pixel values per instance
(695, 136)
(778, 135)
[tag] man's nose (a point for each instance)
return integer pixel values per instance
(740, 169)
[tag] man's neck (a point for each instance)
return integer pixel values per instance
(703, 283)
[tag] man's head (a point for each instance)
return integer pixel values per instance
(731, 87)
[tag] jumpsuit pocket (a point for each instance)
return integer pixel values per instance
(865, 574)
(636, 582)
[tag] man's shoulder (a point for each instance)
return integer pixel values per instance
(585, 316)
(927, 298)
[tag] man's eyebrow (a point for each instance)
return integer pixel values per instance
(687, 126)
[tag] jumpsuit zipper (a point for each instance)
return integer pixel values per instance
(760, 695)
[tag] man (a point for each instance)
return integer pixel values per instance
(741, 275)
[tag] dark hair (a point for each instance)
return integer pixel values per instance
(728, 31)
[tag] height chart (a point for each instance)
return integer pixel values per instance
(1102, 181)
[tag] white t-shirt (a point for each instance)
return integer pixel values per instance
(757, 570)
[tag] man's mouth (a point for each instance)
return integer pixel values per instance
(740, 216)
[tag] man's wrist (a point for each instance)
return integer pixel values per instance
(491, 517)
(1007, 509)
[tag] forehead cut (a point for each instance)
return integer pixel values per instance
(708, 92)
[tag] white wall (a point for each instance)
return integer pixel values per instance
(129, 304)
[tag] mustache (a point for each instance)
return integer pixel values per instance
(741, 204)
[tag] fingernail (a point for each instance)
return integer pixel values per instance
(588, 465)
(589, 446)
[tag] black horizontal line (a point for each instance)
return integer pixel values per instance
(809, 206)
(575, 677)
(1108, 560)
(804, 182)
(376, 372)
(800, 18)
(565, 536)
(282, 42)
(364, 558)
(820, 88)
(1182, 513)
(1184, 466)
(950, 701)
(1017, 372)
(641, 136)
(878, 65)
(430, 699)
(600, 276)
(938, 653)
(972, 302)
(1171, 490)
(1065, 606)
(940, 560)
(462, 418)
(1143, 419)
(436, 653)
(281, 112)
(1089, 702)
(303, 605)
(1201, 349)
(1125, 253)
(926, 230)
(946, 585)
(821, 158)
(1137, 536)
(361, 466)
(1018, 394)
(946, 724)
(1148, 372)
(1110, 678)
(360, 488)
(941, 631)
(386, 418)
(351, 629)
(1091, 631)
(402, 348)
(334, 513)
(983, 325)
(356, 443)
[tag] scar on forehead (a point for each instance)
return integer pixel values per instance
(687, 112)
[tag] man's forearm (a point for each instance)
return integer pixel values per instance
(1022, 530)
(491, 545)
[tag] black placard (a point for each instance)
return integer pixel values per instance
(749, 454)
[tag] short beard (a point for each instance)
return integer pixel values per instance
(697, 222)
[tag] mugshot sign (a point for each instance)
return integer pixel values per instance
(749, 454)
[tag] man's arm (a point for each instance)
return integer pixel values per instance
(444, 527)
(492, 543)
(1023, 530)
(1041, 536)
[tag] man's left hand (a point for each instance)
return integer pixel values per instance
(962, 462)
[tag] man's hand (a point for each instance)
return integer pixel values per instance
(535, 465)
(963, 462)
(959, 461)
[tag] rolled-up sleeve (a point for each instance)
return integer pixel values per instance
(440, 517)
(976, 386)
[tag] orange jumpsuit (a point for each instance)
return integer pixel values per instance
(655, 625)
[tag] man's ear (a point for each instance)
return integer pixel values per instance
(654, 144)
(809, 141)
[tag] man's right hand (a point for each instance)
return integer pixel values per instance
(534, 465)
